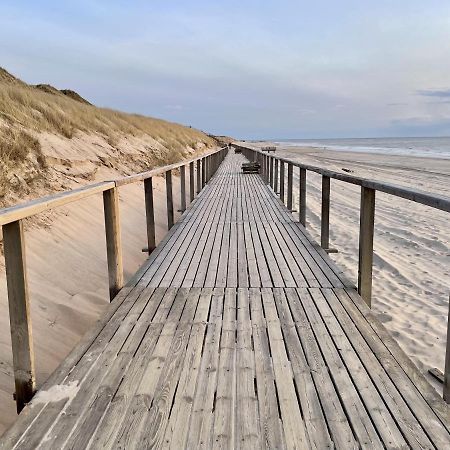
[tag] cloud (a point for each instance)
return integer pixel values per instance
(442, 93)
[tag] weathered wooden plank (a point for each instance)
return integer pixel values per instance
(150, 214)
(202, 416)
(289, 187)
(366, 231)
(199, 183)
(308, 393)
(19, 313)
(432, 412)
(302, 197)
(169, 200)
(272, 435)
(177, 430)
(225, 400)
(182, 188)
(191, 182)
(325, 215)
(33, 207)
(405, 419)
(247, 414)
(293, 425)
(382, 419)
(113, 241)
(282, 183)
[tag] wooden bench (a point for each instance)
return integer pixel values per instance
(269, 149)
(251, 167)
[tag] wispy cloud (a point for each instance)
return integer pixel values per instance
(441, 93)
(244, 68)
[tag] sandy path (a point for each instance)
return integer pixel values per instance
(412, 245)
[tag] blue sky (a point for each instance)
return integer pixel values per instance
(251, 69)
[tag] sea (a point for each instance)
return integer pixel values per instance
(427, 147)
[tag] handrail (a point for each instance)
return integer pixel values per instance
(11, 221)
(425, 198)
(42, 204)
(141, 176)
(273, 173)
(33, 207)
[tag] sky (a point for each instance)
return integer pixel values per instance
(249, 69)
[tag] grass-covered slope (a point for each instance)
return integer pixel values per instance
(27, 113)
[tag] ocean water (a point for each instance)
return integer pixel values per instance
(428, 147)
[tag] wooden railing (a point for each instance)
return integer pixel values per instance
(11, 220)
(273, 172)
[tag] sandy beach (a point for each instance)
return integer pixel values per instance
(412, 245)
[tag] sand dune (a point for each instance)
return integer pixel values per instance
(66, 250)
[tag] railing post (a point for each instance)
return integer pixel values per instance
(19, 313)
(150, 214)
(366, 230)
(113, 241)
(191, 182)
(275, 181)
(325, 217)
(199, 183)
(183, 188)
(169, 199)
(271, 172)
(289, 186)
(282, 181)
(203, 172)
(265, 167)
(302, 197)
(447, 360)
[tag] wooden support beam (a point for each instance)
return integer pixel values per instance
(275, 180)
(183, 188)
(191, 182)
(169, 200)
(366, 231)
(203, 172)
(302, 197)
(150, 214)
(271, 171)
(289, 186)
(282, 181)
(199, 172)
(325, 217)
(264, 166)
(447, 361)
(19, 313)
(113, 241)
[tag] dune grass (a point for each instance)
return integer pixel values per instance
(26, 111)
(41, 111)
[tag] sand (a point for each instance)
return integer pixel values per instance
(66, 252)
(412, 244)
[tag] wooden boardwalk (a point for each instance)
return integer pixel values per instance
(238, 332)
